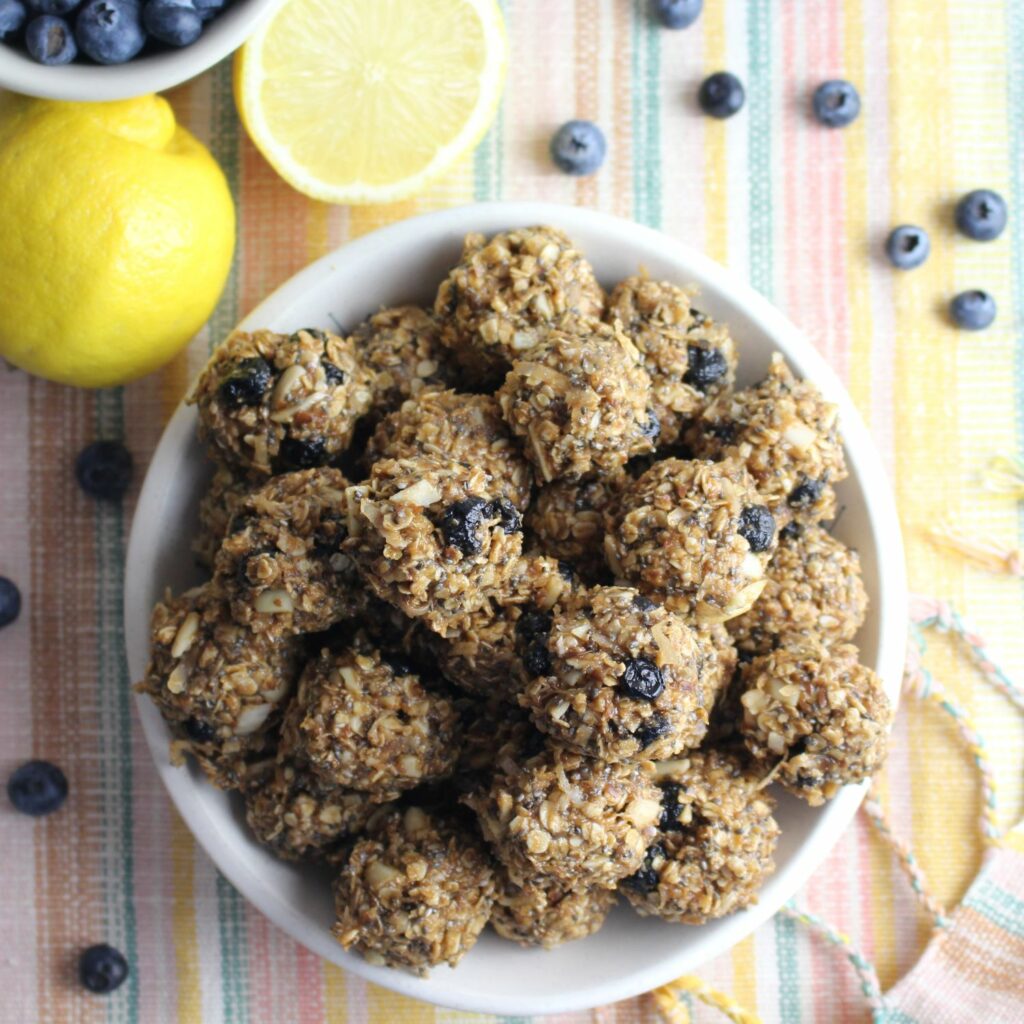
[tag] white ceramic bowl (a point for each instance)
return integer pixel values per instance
(152, 73)
(405, 262)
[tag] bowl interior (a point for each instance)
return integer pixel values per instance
(630, 954)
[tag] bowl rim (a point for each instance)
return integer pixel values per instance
(831, 820)
(154, 72)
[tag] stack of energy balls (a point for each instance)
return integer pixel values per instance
(518, 606)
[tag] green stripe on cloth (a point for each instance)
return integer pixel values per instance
(646, 92)
(999, 906)
(788, 969)
(759, 98)
(115, 696)
(234, 953)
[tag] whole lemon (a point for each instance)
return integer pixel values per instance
(117, 235)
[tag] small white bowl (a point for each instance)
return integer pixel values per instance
(405, 262)
(154, 72)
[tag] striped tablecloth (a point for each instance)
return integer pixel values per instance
(801, 211)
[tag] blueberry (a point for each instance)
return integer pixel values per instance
(907, 246)
(246, 383)
(102, 969)
(791, 531)
(836, 103)
(757, 527)
(537, 660)
(806, 493)
(110, 31)
(49, 40)
(12, 18)
(678, 13)
(37, 788)
(578, 147)
(172, 23)
(981, 215)
(973, 310)
(670, 808)
(652, 427)
(59, 7)
(642, 679)
(460, 524)
(721, 94)
(566, 571)
(724, 431)
(534, 625)
(509, 519)
(646, 879)
(295, 453)
(651, 729)
(198, 731)
(334, 375)
(642, 603)
(704, 367)
(10, 601)
(104, 470)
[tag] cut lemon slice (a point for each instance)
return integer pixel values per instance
(366, 101)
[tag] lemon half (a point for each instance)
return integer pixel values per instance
(366, 101)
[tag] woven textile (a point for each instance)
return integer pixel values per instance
(799, 210)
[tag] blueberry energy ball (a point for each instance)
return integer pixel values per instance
(359, 723)
(461, 428)
(714, 845)
(269, 402)
(817, 714)
(624, 682)
(219, 687)
(414, 893)
(223, 498)
(690, 359)
(580, 401)
(498, 303)
(695, 535)
(281, 565)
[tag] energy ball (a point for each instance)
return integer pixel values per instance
(359, 723)
(567, 520)
(402, 349)
(433, 537)
(580, 401)
(219, 687)
(714, 846)
(298, 816)
(694, 535)
(414, 894)
(281, 565)
(497, 738)
(624, 681)
(691, 360)
(787, 435)
(269, 403)
(460, 428)
(717, 656)
(814, 587)
(564, 819)
(547, 916)
(817, 714)
(223, 498)
(498, 303)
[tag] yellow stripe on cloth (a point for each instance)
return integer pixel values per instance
(183, 922)
(674, 1011)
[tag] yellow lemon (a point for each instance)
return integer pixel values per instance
(118, 232)
(365, 101)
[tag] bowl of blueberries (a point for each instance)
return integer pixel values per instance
(114, 49)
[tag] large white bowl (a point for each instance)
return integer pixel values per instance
(401, 263)
(151, 73)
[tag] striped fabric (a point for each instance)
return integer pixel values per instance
(798, 209)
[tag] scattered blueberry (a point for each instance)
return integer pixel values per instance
(533, 625)
(334, 375)
(578, 147)
(806, 493)
(59, 7)
(642, 603)
(642, 679)
(704, 367)
(460, 524)
(652, 427)
(646, 879)
(199, 731)
(907, 246)
(104, 470)
(12, 18)
(246, 383)
(295, 453)
(973, 310)
(537, 660)
(757, 527)
(721, 94)
(10, 601)
(836, 103)
(651, 729)
(48, 40)
(37, 788)
(509, 519)
(981, 215)
(110, 31)
(172, 23)
(678, 13)
(102, 969)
